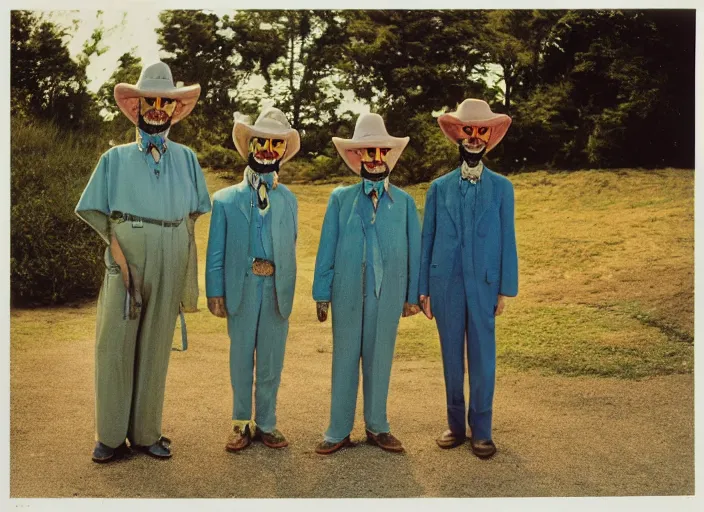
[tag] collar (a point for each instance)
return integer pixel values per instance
(158, 141)
(254, 178)
(472, 174)
(379, 186)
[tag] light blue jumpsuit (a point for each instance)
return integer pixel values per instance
(367, 267)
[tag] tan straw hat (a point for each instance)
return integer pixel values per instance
(156, 81)
(475, 113)
(369, 132)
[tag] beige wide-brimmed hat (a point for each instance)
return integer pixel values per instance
(156, 81)
(271, 124)
(369, 132)
(476, 113)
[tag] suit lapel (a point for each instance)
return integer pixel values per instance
(243, 199)
(487, 193)
(452, 199)
(277, 211)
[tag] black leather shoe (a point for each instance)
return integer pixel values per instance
(159, 450)
(103, 453)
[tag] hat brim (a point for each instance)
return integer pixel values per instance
(346, 148)
(242, 133)
(451, 126)
(127, 97)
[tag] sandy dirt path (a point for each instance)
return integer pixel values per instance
(557, 436)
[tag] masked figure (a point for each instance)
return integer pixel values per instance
(251, 272)
(367, 269)
(140, 199)
(468, 265)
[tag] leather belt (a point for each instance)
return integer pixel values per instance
(119, 217)
(262, 267)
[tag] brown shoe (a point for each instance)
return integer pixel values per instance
(239, 439)
(328, 447)
(273, 439)
(483, 448)
(385, 441)
(449, 440)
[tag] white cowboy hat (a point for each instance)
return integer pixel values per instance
(271, 124)
(156, 81)
(369, 132)
(476, 113)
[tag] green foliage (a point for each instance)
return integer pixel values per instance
(45, 82)
(54, 256)
(218, 157)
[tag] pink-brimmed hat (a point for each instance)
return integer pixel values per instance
(156, 81)
(271, 124)
(475, 113)
(369, 132)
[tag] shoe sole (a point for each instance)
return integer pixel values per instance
(275, 446)
(374, 442)
(449, 446)
(235, 450)
(344, 444)
(483, 456)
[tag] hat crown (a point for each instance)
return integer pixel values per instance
(473, 109)
(156, 76)
(369, 126)
(273, 118)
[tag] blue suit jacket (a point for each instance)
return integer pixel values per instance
(338, 264)
(494, 256)
(228, 258)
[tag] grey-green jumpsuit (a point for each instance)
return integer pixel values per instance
(132, 356)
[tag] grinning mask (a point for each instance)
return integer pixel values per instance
(265, 154)
(155, 114)
(473, 146)
(373, 163)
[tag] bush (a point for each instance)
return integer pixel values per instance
(54, 256)
(218, 157)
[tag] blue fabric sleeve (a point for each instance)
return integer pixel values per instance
(509, 256)
(413, 234)
(200, 185)
(215, 257)
(427, 240)
(325, 259)
(93, 206)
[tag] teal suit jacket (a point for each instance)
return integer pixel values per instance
(228, 260)
(338, 266)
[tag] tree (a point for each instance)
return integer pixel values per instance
(45, 81)
(202, 50)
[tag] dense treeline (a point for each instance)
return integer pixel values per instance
(585, 88)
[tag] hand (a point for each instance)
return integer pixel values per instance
(500, 304)
(216, 305)
(120, 259)
(321, 309)
(410, 309)
(425, 306)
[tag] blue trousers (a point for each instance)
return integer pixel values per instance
(377, 357)
(462, 321)
(257, 328)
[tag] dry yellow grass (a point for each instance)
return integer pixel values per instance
(606, 263)
(578, 312)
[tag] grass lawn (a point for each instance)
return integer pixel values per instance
(606, 265)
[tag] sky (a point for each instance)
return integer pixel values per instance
(135, 30)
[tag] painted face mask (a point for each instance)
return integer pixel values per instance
(265, 154)
(373, 163)
(155, 114)
(473, 146)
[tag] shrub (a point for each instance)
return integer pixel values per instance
(218, 157)
(54, 257)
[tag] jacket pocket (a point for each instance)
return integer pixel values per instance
(492, 276)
